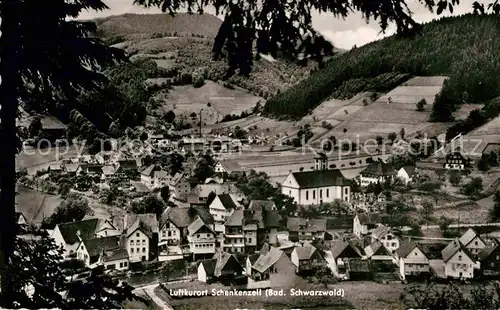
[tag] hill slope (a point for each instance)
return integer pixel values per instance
(128, 25)
(464, 48)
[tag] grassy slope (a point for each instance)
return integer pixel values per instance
(153, 34)
(464, 48)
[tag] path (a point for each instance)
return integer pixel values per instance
(423, 227)
(150, 292)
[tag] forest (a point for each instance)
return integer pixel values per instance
(463, 48)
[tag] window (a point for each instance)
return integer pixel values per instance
(121, 265)
(137, 235)
(131, 250)
(198, 236)
(459, 257)
(169, 233)
(475, 242)
(389, 237)
(143, 250)
(346, 191)
(143, 242)
(307, 195)
(320, 193)
(290, 193)
(416, 254)
(327, 192)
(393, 244)
(131, 242)
(138, 250)
(314, 194)
(125, 264)
(249, 240)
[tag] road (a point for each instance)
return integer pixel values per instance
(424, 227)
(149, 290)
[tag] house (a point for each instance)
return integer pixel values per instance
(259, 205)
(377, 251)
(70, 235)
(174, 223)
(181, 186)
(141, 232)
(193, 145)
(221, 208)
(199, 194)
(300, 229)
(21, 219)
(489, 258)
(241, 232)
(384, 234)
(201, 238)
(342, 251)
(268, 221)
(412, 260)
(70, 168)
(364, 224)
(223, 267)
(456, 161)
(316, 187)
(52, 128)
(90, 250)
(275, 268)
(90, 169)
(407, 174)
(108, 171)
(377, 172)
(127, 166)
(458, 262)
(229, 167)
(147, 175)
(472, 242)
(116, 258)
(307, 258)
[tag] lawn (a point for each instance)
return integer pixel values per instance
(35, 205)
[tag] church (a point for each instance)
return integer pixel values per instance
(318, 186)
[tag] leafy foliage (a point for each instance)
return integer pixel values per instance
(73, 208)
(473, 187)
(424, 54)
(149, 204)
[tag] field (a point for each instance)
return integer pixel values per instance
(35, 205)
(184, 100)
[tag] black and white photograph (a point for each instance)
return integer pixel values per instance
(250, 154)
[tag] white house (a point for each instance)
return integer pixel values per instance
(364, 224)
(221, 208)
(407, 174)
(69, 235)
(456, 161)
(137, 244)
(377, 251)
(384, 234)
(201, 239)
(411, 259)
(472, 242)
(316, 187)
(458, 262)
(115, 259)
(377, 172)
(90, 250)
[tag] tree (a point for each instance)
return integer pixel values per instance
(172, 162)
(35, 127)
(149, 204)
(444, 223)
(392, 136)
(165, 193)
(380, 140)
(420, 105)
(204, 169)
(428, 209)
(39, 274)
(324, 276)
(211, 196)
(73, 208)
(455, 177)
(474, 187)
(169, 117)
(483, 164)
(495, 211)
(493, 159)
(402, 133)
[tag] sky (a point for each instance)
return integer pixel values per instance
(343, 33)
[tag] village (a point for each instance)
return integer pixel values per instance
(185, 209)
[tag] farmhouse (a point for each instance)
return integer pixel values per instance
(377, 172)
(383, 234)
(316, 187)
(364, 224)
(201, 238)
(412, 260)
(69, 235)
(472, 242)
(223, 267)
(230, 167)
(181, 186)
(52, 128)
(306, 258)
(459, 263)
(300, 229)
(221, 208)
(456, 161)
(275, 268)
(342, 251)
(90, 250)
(267, 219)
(489, 258)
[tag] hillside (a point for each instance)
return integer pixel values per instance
(463, 48)
(137, 25)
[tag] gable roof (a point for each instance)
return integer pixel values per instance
(209, 266)
(182, 217)
(406, 247)
(259, 205)
(341, 245)
(452, 248)
(195, 226)
(86, 229)
(235, 219)
(410, 170)
(253, 258)
(376, 248)
(227, 201)
(95, 246)
(108, 169)
(305, 252)
(380, 231)
(224, 262)
(139, 225)
(369, 219)
(320, 178)
(486, 252)
(115, 254)
(265, 261)
(301, 224)
(148, 220)
(176, 179)
(378, 168)
(469, 235)
(148, 171)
